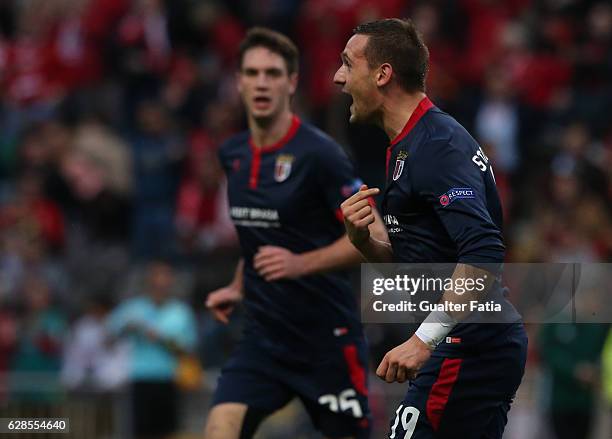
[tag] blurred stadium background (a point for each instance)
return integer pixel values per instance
(110, 115)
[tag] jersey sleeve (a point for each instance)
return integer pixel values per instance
(337, 178)
(446, 178)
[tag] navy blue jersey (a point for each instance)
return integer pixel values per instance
(441, 204)
(289, 195)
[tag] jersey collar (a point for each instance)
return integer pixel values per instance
(293, 128)
(424, 105)
(257, 152)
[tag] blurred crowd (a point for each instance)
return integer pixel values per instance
(111, 112)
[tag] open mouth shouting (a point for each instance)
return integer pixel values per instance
(262, 102)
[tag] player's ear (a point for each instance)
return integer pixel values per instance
(293, 82)
(383, 75)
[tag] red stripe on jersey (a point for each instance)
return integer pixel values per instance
(340, 215)
(416, 115)
(441, 389)
(255, 163)
(424, 105)
(356, 370)
(258, 151)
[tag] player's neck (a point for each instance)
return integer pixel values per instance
(265, 133)
(397, 109)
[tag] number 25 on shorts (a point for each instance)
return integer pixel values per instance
(344, 402)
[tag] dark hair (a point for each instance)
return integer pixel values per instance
(400, 44)
(273, 41)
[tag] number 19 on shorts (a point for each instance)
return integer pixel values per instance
(408, 424)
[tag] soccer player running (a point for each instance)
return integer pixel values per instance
(440, 205)
(302, 336)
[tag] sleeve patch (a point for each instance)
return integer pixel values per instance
(455, 194)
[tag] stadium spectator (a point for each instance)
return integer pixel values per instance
(497, 123)
(203, 221)
(33, 211)
(571, 354)
(94, 369)
(91, 362)
(157, 152)
(159, 328)
(8, 343)
(109, 151)
(36, 362)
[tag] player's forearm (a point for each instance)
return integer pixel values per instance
(467, 273)
(439, 324)
(377, 248)
(376, 251)
(338, 255)
(238, 280)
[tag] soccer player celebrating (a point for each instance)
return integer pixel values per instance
(440, 205)
(302, 336)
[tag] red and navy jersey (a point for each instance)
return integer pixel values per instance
(441, 205)
(289, 195)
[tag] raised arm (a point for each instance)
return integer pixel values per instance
(365, 228)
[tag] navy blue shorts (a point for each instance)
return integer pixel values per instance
(333, 389)
(465, 396)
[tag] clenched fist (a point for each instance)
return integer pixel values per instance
(221, 302)
(404, 361)
(358, 215)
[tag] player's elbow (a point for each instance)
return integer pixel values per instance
(489, 256)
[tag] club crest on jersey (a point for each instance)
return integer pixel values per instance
(399, 164)
(282, 169)
(455, 194)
